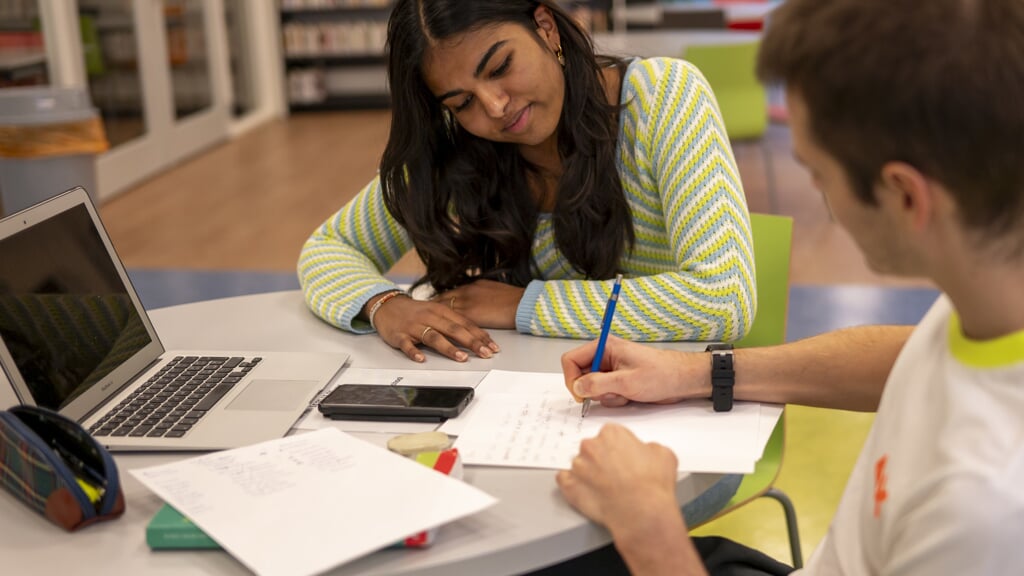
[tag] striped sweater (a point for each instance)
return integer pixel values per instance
(690, 275)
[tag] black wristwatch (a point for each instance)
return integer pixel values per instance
(723, 376)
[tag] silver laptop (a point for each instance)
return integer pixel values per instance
(74, 337)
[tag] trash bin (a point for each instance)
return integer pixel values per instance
(49, 139)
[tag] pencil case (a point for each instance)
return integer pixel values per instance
(52, 465)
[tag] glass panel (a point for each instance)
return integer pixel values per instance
(110, 48)
(22, 57)
(241, 64)
(186, 48)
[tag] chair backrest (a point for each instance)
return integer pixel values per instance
(773, 241)
(729, 69)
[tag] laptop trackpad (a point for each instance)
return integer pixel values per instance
(284, 395)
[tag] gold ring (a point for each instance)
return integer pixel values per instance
(424, 333)
(451, 303)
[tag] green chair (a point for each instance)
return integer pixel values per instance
(773, 241)
(773, 236)
(742, 99)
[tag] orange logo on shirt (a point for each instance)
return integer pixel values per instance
(881, 495)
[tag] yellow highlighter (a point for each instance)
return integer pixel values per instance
(92, 492)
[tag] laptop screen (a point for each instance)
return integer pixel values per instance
(66, 317)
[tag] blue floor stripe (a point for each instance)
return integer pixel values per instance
(812, 309)
(159, 288)
(817, 309)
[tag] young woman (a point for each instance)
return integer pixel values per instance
(526, 172)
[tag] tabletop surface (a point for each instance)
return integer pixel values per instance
(530, 527)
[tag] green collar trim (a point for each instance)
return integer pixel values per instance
(994, 353)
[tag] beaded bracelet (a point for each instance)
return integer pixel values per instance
(380, 302)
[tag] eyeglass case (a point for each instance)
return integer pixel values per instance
(51, 464)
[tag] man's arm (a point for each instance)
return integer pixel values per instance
(844, 369)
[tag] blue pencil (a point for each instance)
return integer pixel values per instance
(606, 325)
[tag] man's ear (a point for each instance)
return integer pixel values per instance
(547, 29)
(908, 193)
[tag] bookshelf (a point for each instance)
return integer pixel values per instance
(334, 53)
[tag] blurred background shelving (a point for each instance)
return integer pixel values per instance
(334, 53)
(22, 56)
(168, 78)
(334, 50)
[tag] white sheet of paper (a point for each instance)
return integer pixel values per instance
(314, 420)
(529, 420)
(505, 382)
(304, 504)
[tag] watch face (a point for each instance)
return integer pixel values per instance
(713, 347)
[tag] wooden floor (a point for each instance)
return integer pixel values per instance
(249, 204)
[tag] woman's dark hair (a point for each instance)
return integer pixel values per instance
(465, 201)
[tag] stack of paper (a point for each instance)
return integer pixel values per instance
(528, 419)
(304, 504)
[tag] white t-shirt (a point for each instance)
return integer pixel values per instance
(939, 485)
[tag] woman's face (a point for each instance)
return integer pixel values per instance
(503, 82)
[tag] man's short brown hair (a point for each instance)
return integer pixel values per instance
(938, 84)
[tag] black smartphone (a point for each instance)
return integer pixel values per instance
(382, 402)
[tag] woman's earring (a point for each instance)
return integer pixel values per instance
(560, 55)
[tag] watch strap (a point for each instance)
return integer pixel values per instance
(723, 376)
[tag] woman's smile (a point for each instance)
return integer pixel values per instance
(519, 121)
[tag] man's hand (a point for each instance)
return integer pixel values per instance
(616, 479)
(630, 487)
(631, 371)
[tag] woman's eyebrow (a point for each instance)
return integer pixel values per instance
(479, 69)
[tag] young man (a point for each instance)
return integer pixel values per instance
(909, 117)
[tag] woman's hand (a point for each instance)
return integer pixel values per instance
(403, 323)
(487, 303)
(631, 371)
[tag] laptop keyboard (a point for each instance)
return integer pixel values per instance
(170, 403)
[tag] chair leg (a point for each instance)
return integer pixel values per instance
(791, 527)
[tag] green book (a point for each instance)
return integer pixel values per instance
(169, 530)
